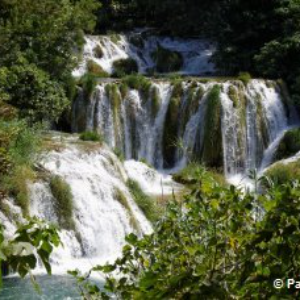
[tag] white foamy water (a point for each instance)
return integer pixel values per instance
(196, 53)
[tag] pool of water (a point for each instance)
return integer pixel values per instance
(52, 288)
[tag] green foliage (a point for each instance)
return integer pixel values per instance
(119, 153)
(166, 60)
(244, 77)
(44, 33)
(144, 202)
(289, 145)
(212, 151)
(34, 94)
(171, 125)
(122, 199)
(88, 82)
(214, 245)
(63, 205)
(282, 173)
(95, 69)
(233, 96)
(32, 241)
(138, 82)
(194, 172)
(125, 66)
(19, 146)
(91, 136)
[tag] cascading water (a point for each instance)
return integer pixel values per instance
(196, 53)
(252, 118)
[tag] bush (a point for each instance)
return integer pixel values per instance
(144, 202)
(124, 67)
(88, 82)
(166, 60)
(91, 136)
(220, 243)
(283, 173)
(62, 194)
(244, 77)
(138, 82)
(289, 145)
(193, 173)
(95, 69)
(34, 94)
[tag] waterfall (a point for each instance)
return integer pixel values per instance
(95, 176)
(196, 53)
(253, 117)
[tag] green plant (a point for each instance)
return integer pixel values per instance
(166, 60)
(212, 151)
(233, 96)
(91, 136)
(122, 199)
(95, 69)
(119, 153)
(88, 82)
(244, 77)
(289, 145)
(194, 172)
(214, 245)
(138, 82)
(144, 202)
(64, 206)
(123, 67)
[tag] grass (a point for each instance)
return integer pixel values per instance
(123, 67)
(62, 194)
(122, 199)
(144, 202)
(91, 136)
(88, 82)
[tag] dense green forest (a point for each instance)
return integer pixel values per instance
(40, 45)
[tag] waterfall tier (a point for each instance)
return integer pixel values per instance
(195, 54)
(224, 125)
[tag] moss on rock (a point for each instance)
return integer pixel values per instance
(212, 151)
(171, 126)
(125, 66)
(166, 60)
(95, 69)
(289, 145)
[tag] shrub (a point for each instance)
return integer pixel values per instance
(194, 172)
(144, 202)
(62, 194)
(88, 82)
(166, 60)
(95, 69)
(282, 173)
(138, 82)
(124, 67)
(289, 145)
(34, 94)
(91, 136)
(244, 77)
